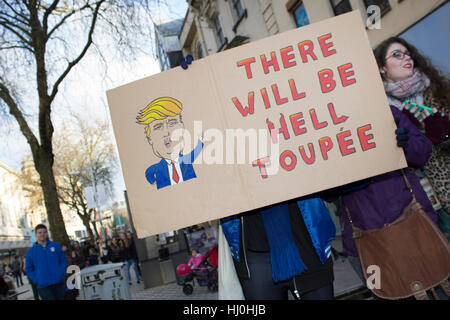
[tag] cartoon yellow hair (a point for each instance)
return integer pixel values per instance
(158, 109)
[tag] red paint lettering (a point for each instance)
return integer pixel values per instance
(273, 62)
(294, 92)
(293, 162)
(312, 155)
(251, 104)
(317, 125)
(325, 145)
(327, 83)
(296, 122)
(364, 137)
(345, 73)
(276, 94)
(306, 51)
(261, 163)
(246, 63)
(344, 144)
(326, 46)
(265, 98)
(286, 58)
(274, 132)
(334, 117)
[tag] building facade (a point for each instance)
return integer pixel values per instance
(211, 26)
(168, 49)
(15, 236)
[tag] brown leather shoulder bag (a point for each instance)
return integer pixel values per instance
(412, 254)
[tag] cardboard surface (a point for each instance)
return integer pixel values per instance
(326, 136)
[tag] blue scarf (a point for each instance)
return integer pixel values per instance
(284, 255)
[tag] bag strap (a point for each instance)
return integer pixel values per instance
(406, 182)
(348, 214)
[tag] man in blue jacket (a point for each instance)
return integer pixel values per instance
(46, 265)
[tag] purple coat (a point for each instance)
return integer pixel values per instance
(384, 199)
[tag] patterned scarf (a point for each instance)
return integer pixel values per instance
(409, 89)
(284, 256)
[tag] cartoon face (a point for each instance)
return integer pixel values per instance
(399, 64)
(160, 137)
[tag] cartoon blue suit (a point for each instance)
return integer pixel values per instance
(159, 172)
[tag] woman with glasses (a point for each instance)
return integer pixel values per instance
(417, 89)
(377, 202)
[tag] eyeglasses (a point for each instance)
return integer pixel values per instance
(399, 55)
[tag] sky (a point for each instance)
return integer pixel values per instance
(84, 90)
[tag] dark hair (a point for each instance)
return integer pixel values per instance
(39, 226)
(439, 84)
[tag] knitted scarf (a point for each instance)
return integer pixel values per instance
(409, 89)
(284, 255)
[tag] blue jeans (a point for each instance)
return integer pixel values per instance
(135, 267)
(53, 292)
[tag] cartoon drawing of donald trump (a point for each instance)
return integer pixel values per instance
(161, 118)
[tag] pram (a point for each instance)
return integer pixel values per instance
(205, 273)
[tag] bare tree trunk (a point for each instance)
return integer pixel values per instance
(94, 225)
(87, 225)
(55, 218)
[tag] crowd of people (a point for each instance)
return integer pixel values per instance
(287, 246)
(46, 270)
(103, 251)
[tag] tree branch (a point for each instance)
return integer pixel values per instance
(60, 23)
(47, 13)
(13, 10)
(81, 55)
(17, 47)
(14, 110)
(10, 26)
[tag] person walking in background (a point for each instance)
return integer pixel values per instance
(78, 257)
(16, 266)
(103, 251)
(420, 92)
(87, 245)
(129, 254)
(46, 265)
(93, 258)
(114, 251)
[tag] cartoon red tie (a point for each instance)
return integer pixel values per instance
(175, 176)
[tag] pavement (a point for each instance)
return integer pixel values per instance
(346, 281)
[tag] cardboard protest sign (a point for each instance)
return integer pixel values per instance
(273, 120)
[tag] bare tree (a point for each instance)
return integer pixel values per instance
(40, 44)
(85, 156)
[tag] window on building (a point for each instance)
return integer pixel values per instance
(300, 16)
(238, 13)
(163, 59)
(237, 9)
(340, 6)
(383, 4)
(200, 53)
(218, 30)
